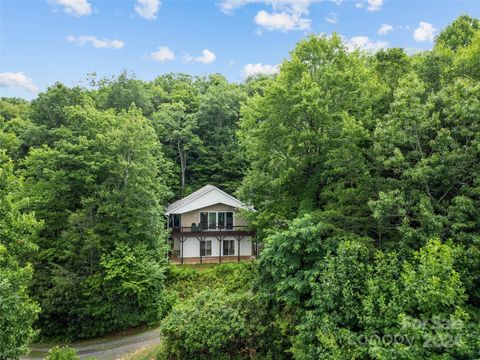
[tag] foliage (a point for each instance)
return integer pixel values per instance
(99, 191)
(184, 281)
(218, 317)
(17, 239)
(459, 33)
(363, 169)
(62, 353)
(259, 332)
(357, 162)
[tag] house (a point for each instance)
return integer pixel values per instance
(206, 227)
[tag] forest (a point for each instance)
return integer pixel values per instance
(363, 168)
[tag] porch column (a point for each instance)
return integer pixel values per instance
(200, 239)
(238, 238)
(182, 240)
(220, 240)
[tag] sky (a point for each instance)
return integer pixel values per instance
(44, 41)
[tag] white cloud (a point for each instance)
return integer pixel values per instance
(385, 29)
(162, 54)
(147, 8)
(332, 18)
(206, 58)
(282, 21)
(17, 80)
(374, 5)
(286, 15)
(424, 32)
(337, 2)
(74, 7)
(228, 6)
(364, 43)
(96, 43)
(255, 69)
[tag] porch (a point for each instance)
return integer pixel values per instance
(197, 244)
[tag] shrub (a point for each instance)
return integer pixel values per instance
(185, 281)
(62, 353)
(210, 325)
(221, 324)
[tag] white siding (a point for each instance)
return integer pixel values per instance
(191, 246)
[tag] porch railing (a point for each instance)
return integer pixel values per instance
(206, 228)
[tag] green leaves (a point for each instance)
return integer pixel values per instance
(97, 188)
(18, 231)
(357, 162)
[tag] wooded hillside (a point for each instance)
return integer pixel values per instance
(364, 169)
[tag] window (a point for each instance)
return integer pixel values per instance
(221, 220)
(206, 248)
(228, 247)
(216, 220)
(175, 221)
(203, 220)
(212, 220)
(229, 220)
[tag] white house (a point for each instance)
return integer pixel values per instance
(207, 227)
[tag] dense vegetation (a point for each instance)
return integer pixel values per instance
(364, 169)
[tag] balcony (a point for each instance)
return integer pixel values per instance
(201, 231)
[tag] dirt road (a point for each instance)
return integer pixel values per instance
(105, 348)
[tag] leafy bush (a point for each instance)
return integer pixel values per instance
(62, 353)
(185, 281)
(218, 318)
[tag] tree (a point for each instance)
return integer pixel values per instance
(17, 239)
(122, 92)
(99, 191)
(459, 33)
(176, 128)
(293, 132)
(368, 207)
(220, 160)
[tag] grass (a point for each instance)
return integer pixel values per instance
(149, 353)
(185, 281)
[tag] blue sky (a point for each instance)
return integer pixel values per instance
(44, 41)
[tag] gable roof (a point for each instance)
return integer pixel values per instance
(205, 196)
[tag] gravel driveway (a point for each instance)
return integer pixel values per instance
(103, 349)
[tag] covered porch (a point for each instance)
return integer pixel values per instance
(212, 247)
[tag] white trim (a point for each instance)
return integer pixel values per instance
(238, 203)
(189, 201)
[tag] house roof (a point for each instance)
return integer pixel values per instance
(205, 196)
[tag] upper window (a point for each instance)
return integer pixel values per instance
(175, 220)
(212, 220)
(216, 220)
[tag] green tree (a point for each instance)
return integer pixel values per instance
(176, 128)
(292, 135)
(97, 189)
(122, 92)
(17, 239)
(220, 160)
(459, 33)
